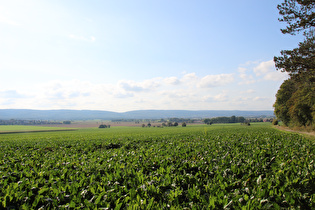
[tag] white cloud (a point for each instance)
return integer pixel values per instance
(242, 69)
(179, 93)
(64, 90)
(249, 63)
(192, 80)
(139, 86)
(221, 97)
(216, 98)
(172, 81)
(246, 78)
(188, 92)
(249, 91)
(11, 94)
(215, 80)
(260, 98)
(189, 79)
(131, 86)
(264, 68)
(256, 71)
(268, 71)
(276, 76)
(122, 94)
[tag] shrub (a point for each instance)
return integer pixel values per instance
(275, 122)
(246, 123)
(169, 124)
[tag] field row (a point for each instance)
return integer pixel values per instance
(217, 166)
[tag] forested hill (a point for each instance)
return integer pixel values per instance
(27, 114)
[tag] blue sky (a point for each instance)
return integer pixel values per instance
(131, 55)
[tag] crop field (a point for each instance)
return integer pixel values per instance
(5, 129)
(193, 167)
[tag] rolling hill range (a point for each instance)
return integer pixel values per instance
(28, 114)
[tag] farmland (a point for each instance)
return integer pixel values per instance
(9, 129)
(193, 167)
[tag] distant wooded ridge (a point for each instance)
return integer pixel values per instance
(29, 114)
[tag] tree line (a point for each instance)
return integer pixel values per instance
(232, 119)
(295, 100)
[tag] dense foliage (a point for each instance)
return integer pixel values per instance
(232, 119)
(219, 166)
(295, 100)
(298, 14)
(104, 126)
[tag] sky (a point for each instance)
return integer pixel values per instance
(140, 55)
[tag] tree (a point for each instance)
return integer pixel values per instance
(240, 119)
(169, 124)
(295, 100)
(282, 99)
(207, 121)
(298, 14)
(183, 124)
(233, 119)
(175, 124)
(275, 122)
(299, 62)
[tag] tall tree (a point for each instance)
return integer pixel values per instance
(298, 14)
(295, 100)
(282, 99)
(299, 62)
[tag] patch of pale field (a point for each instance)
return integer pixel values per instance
(95, 124)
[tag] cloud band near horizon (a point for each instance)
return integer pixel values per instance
(239, 90)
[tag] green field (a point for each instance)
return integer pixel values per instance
(193, 167)
(25, 129)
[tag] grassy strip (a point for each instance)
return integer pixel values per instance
(307, 134)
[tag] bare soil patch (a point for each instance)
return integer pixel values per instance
(94, 124)
(35, 131)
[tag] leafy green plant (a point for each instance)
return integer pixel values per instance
(219, 166)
